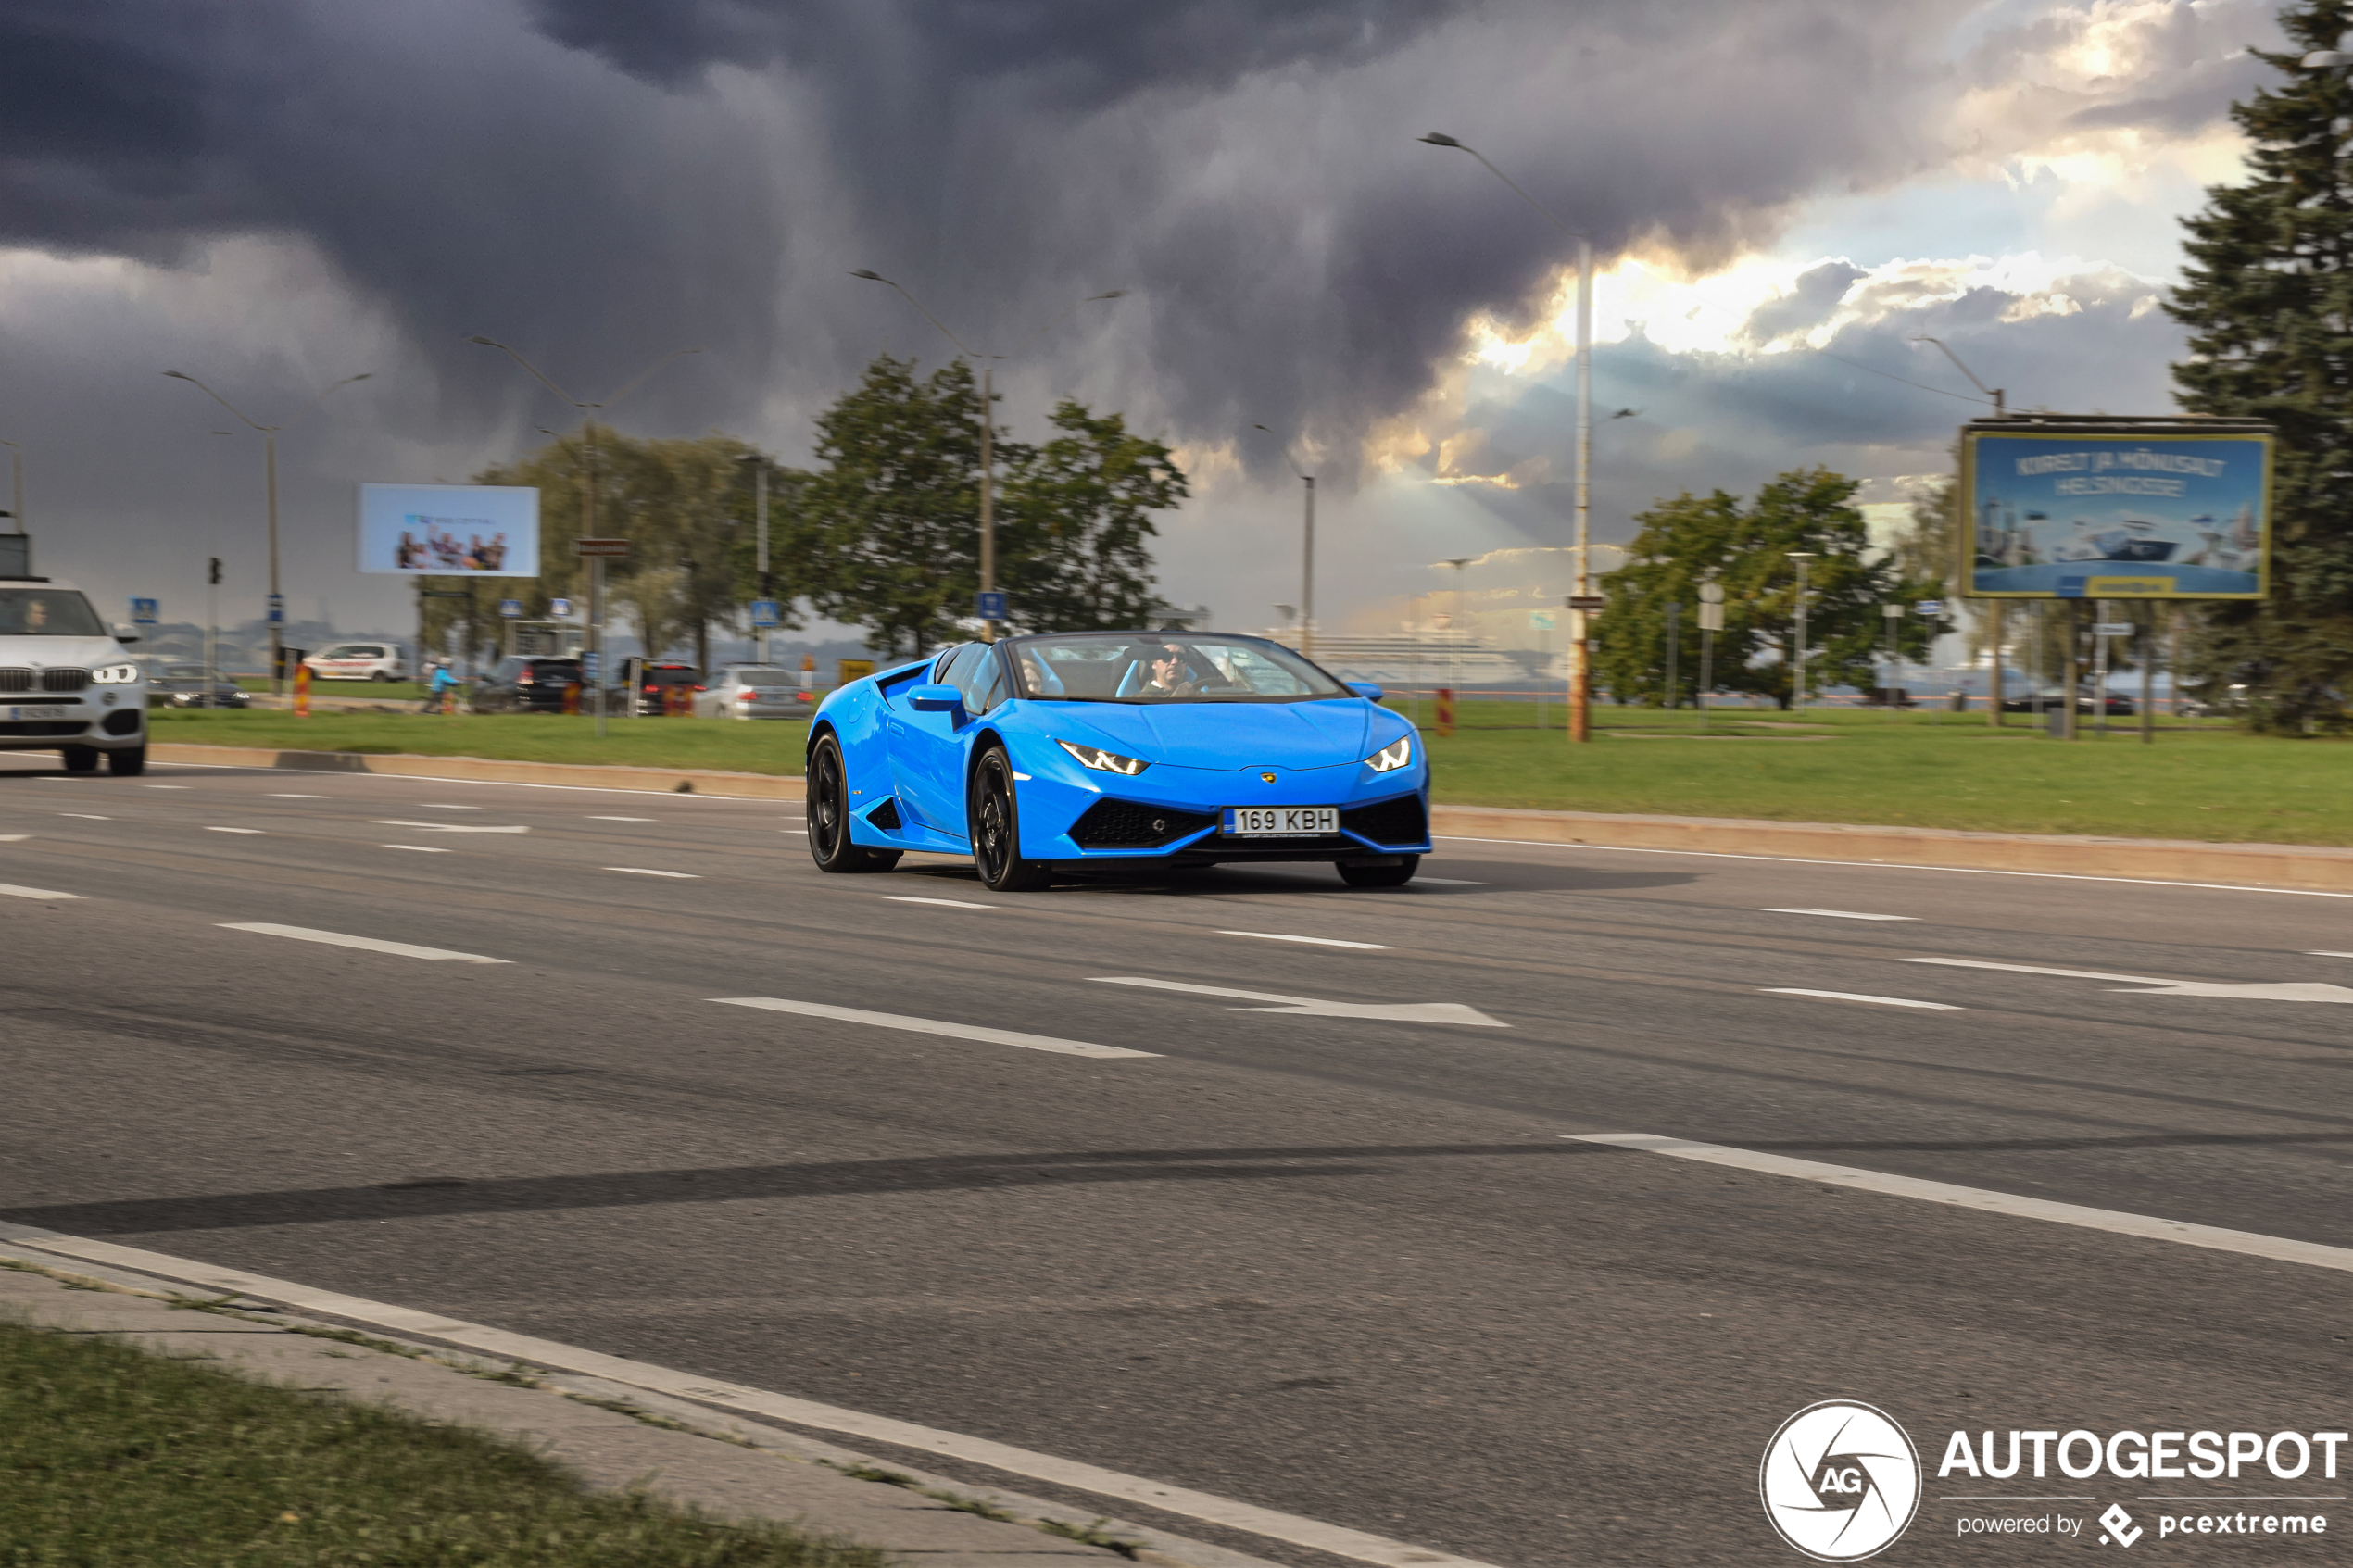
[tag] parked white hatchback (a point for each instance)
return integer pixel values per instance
(752, 691)
(67, 683)
(361, 661)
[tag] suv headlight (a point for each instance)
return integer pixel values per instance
(1393, 756)
(114, 675)
(1104, 761)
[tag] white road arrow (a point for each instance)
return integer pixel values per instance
(2279, 991)
(1312, 1006)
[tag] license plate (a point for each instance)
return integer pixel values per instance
(1280, 821)
(36, 713)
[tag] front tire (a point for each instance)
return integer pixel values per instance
(996, 828)
(128, 763)
(828, 803)
(80, 759)
(1380, 876)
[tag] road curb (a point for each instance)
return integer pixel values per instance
(485, 770)
(2299, 868)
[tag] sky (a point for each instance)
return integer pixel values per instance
(274, 194)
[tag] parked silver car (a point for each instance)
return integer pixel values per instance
(751, 691)
(192, 685)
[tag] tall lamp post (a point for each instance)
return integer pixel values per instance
(15, 484)
(988, 418)
(1306, 558)
(2001, 411)
(1797, 677)
(1580, 656)
(277, 607)
(588, 494)
(759, 462)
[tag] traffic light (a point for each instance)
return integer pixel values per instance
(213, 579)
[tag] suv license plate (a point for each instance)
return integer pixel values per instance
(37, 713)
(1281, 822)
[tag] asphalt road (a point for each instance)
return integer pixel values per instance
(1354, 1268)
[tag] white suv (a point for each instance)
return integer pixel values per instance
(359, 661)
(66, 684)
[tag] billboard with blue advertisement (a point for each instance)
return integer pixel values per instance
(449, 530)
(2114, 508)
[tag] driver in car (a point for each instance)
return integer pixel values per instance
(1171, 674)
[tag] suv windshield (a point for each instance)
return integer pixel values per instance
(1166, 666)
(47, 612)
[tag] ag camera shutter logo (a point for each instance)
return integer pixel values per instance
(1841, 1481)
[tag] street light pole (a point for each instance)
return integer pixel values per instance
(1797, 678)
(1581, 655)
(1307, 557)
(988, 418)
(15, 484)
(277, 605)
(588, 496)
(759, 462)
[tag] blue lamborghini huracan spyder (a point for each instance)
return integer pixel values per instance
(1044, 755)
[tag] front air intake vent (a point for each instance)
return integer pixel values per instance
(1399, 821)
(886, 816)
(1126, 824)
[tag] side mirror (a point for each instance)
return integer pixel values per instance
(126, 635)
(1367, 690)
(935, 699)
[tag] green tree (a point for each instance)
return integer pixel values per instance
(1746, 549)
(1074, 524)
(2268, 295)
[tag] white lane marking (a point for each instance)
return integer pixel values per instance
(2283, 991)
(2254, 1244)
(20, 837)
(87, 816)
(803, 832)
(420, 848)
(34, 893)
(281, 794)
(2314, 952)
(1311, 1007)
(950, 903)
(444, 827)
(1318, 941)
(1447, 882)
(1836, 914)
(1313, 1534)
(1890, 866)
(437, 806)
(170, 786)
(372, 944)
(620, 818)
(645, 870)
(933, 1027)
(1856, 997)
(232, 829)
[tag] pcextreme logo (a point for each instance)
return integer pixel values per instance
(1841, 1481)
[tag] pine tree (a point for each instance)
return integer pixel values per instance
(2268, 296)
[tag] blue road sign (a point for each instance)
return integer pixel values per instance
(143, 612)
(560, 608)
(767, 612)
(591, 665)
(510, 608)
(277, 610)
(989, 605)
(1930, 606)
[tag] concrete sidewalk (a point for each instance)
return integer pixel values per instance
(613, 1436)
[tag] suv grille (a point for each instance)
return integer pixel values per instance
(1124, 824)
(15, 680)
(1388, 822)
(64, 680)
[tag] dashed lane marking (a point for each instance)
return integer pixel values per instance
(1836, 914)
(647, 871)
(33, 892)
(231, 830)
(1318, 941)
(950, 903)
(2285, 1250)
(372, 944)
(620, 818)
(1856, 997)
(1448, 882)
(444, 827)
(417, 849)
(933, 1027)
(87, 816)
(281, 794)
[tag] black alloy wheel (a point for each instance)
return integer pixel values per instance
(1397, 875)
(996, 829)
(81, 759)
(828, 813)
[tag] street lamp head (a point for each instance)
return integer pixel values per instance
(1439, 139)
(179, 375)
(1114, 294)
(485, 342)
(870, 276)
(2322, 60)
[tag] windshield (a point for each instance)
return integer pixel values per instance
(1171, 667)
(47, 612)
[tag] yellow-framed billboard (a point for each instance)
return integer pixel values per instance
(2075, 508)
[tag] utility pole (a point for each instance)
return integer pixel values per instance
(1307, 555)
(1892, 614)
(1674, 642)
(16, 485)
(212, 629)
(1797, 674)
(1711, 620)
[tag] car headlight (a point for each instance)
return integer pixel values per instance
(1104, 761)
(1393, 756)
(114, 675)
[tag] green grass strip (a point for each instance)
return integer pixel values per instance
(114, 1456)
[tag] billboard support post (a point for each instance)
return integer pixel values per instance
(2070, 702)
(2100, 670)
(2148, 680)
(1993, 693)
(596, 634)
